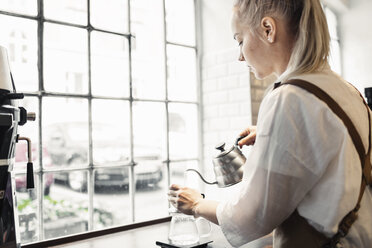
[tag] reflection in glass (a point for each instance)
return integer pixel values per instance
(182, 81)
(180, 18)
(28, 7)
(65, 131)
(19, 37)
(183, 131)
(148, 143)
(28, 210)
(111, 143)
(111, 199)
(151, 200)
(30, 130)
(73, 11)
(148, 49)
(109, 15)
(110, 65)
(65, 59)
(65, 210)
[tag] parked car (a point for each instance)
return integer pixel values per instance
(21, 164)
(68, 146)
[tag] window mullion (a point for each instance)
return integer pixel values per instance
(166, 93)
(132, 183)
(90, 149)
(40, 41)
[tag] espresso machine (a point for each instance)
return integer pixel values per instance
(368, 95)
(11, 116)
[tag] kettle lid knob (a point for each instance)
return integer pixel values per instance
(221, 146)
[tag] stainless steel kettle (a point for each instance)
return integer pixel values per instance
(227, 166)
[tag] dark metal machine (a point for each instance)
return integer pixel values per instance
(11, 116)
(368, 95)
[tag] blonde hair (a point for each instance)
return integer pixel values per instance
(306, 22)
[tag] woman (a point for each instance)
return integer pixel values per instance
(304, 173)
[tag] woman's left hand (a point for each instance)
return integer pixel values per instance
(184, 199)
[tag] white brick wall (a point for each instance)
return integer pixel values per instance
(226, 102)
(231, 97)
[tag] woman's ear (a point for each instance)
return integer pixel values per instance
(268, 26)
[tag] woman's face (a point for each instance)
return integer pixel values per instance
(253, 49)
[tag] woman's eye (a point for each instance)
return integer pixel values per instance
(240, 43)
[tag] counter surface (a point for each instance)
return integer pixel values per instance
(145, 237)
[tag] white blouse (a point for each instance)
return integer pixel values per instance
(303, 159)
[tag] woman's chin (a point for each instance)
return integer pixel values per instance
(257, 75)
(260, 76)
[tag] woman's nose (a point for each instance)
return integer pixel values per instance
(241, 57)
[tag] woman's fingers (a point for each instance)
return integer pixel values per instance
(245, 132)
(183, 198)
(174, 187)
(173, 200)
(249, 140)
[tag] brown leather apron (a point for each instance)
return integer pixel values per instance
(295, 231)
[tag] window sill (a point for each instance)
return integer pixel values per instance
(93, 234)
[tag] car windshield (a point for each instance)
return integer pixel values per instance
(77, 133)
(104, 133)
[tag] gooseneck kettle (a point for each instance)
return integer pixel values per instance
(227, 165)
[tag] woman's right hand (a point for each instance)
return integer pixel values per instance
(250, 136)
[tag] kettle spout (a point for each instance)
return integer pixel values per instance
(201, 177)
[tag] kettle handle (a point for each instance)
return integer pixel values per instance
(239, 138)
(201, 177)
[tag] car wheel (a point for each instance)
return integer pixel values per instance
(47, 190)
(77, 181)
(32, 194)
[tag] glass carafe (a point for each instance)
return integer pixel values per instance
(184, 229)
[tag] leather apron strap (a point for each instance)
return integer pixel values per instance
(296, 231)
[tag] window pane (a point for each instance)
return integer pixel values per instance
(111, 199)
(335, 56)
(183, 131)
(332, 23)
(182, 83)
(180, 18)
(109, 15)
(65, 208)
(65, 131)
(148, 49)
(180, 176)
(65, 59)
(151, 200)
(111, 143)
(19, 37)
(73, 11)
(28, 7)
(30, 130)
(149, 152)
(149, 131)
(28, 210)
(110, 65)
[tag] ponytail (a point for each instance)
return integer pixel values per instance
(311, 50)
(306, 22)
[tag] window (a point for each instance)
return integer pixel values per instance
(335, 51)
(114, 87)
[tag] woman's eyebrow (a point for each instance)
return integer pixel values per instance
(235, 35)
